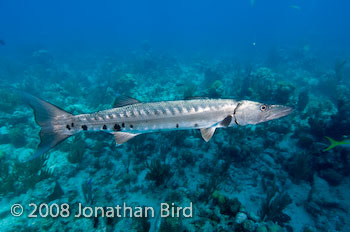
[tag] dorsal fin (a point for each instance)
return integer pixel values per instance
(207, 133)
(226, 122)
(122, 137)
(124, 101)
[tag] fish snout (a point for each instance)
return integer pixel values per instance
(278, 111)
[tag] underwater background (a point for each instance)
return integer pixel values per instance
(275, 176)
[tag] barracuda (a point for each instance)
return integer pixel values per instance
(130, 118)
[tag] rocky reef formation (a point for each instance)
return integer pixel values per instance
(270, 177)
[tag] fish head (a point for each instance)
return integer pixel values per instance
(250, 112)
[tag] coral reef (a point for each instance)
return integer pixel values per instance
(158, 172)
(272, 207)
(76, 150)
(300, 167)
(274, 176)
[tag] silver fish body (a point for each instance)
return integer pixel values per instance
(157, 116)
(130, 118)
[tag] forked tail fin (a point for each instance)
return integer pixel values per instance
(45, 115)
(333, 144)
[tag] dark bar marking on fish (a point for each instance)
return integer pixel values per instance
(196, 125)
(177, 125)
(131, 126)
(123, 124)
(172, 111)
(104, 127)
(72, 125)
(188, 108)
(68, 127)
(163, 110)
(179, 109)
(84, 127)
(156, 112)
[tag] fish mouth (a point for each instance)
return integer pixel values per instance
(278, 111)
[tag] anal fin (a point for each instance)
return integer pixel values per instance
(207, 133)
(122, 137)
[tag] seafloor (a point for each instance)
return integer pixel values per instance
(269, 177)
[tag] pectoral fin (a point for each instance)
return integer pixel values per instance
(122, 137)
(207, 133)
(226, 122)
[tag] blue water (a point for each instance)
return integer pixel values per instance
(197, 26)
(274, 176)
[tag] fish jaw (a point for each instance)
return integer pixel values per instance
(278, 111)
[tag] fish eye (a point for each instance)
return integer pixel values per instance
(263, 107)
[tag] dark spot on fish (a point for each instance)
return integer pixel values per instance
(123, 124)
(84, 127)
(131, 126)
(177, 125)
(117, 127)
(68, 127)
(72, 125)
(195, 125)
(104, 127)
